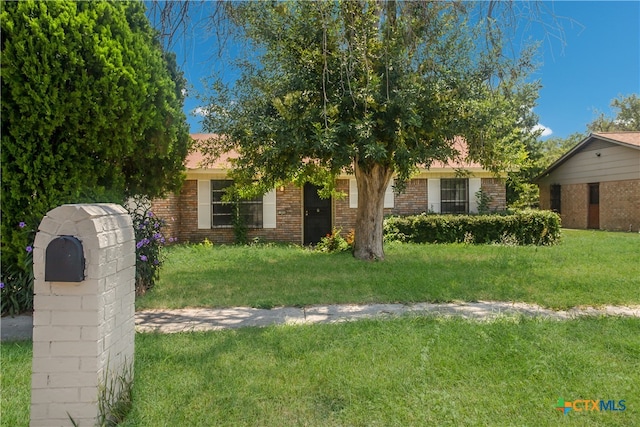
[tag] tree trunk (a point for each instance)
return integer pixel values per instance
(372, 183)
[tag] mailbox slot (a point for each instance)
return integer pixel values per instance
(64, 260)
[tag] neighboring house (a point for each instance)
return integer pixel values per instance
(297, 215)
(596, 184)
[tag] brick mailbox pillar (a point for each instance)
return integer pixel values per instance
(83, 320)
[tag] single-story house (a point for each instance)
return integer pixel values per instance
(297, 215)
(596, 184)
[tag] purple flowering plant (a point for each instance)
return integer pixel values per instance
(150, 241)
(16, 284)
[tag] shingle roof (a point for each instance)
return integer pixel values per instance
(632, 138)
(197, 160)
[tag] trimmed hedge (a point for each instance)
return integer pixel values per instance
(521, 228)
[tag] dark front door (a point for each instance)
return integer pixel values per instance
(593, 220)
(317, 215)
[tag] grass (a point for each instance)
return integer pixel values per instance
(15, 382)
(402, 372)
(587, 268)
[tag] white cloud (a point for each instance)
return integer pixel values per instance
(545, 130)
(200, 111)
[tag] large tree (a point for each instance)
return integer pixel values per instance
(376, 88)
(91, 109)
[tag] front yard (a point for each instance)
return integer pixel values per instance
(406, 371)
(410, 371)
(587, 268)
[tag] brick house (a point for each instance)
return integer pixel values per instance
(596, 184)
(297, 215)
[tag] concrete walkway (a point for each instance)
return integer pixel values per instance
(208, 319)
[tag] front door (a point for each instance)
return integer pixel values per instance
(317, 215)
(593, 220)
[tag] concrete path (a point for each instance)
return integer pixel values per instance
(208, 319)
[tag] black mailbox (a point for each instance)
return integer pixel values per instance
(64, 260)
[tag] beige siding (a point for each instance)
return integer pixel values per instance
(614, 163)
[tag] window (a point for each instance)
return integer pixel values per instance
(555, 198)
(454, 195)
(594, 194)
(250, 210)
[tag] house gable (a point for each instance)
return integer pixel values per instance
(596, 184)
(598, 158)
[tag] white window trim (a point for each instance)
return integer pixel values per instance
(475, 184)
(204, 204)
(389, 196)
(433, 195)
(269, 217)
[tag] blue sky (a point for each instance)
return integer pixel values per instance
(598, 60)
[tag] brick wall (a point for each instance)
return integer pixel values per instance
(413, 200)
(574, 199)
(181, 211)
(620, 205)
(496, 190)
(169, 210)
(545, 196)
(83, 332)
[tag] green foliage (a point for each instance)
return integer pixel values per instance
(16, 285)
(522, 228)
(16, 293)
(484, 200)
(115, 396)
(91, 109)
(334, 242)
(627, 117)
(521, 192)
(150, 240)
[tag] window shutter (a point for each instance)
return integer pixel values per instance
(389, 197)
(269, 216)
(433, 195)
(474, 186)
(204, 204)
(353, 193)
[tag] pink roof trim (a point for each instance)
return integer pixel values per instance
(196, 160)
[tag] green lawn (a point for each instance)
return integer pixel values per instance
(410, 371)
(400, 372)
(587, 268)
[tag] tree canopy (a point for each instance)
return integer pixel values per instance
(376, 88)
(91, 108)
(627, 116)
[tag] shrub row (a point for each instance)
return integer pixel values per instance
(521, 228)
